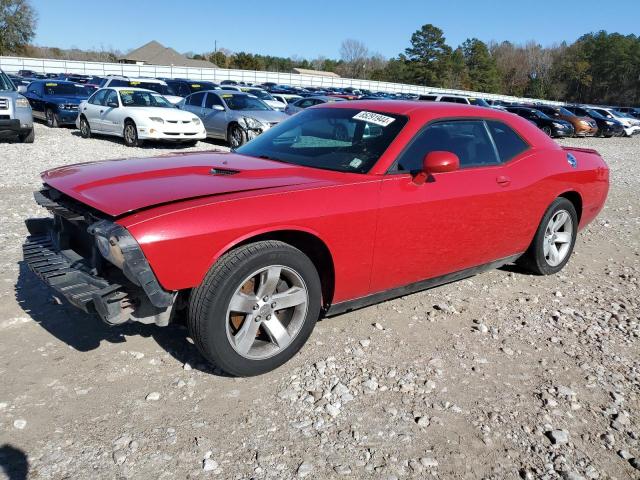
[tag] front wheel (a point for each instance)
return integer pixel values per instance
(256, 308)
(52, 120)
(85, 128)
(554, 240)
(28, 137)
(236, 136)
(548, 131)
(130, 134)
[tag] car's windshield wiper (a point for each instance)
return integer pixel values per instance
(267, 157)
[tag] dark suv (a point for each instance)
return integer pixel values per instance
(550, 126)
(184, 87)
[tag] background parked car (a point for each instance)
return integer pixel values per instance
(606, 127)
(630, 125)
(158, 86)
(183, 87)
(286, 98)
(15, 112)
(56, 101)
(136, 115)
(550, 126)
(307, 102)
(583, 126)
(265, 96)
(232, 116)
(633, 111)
(480, 102)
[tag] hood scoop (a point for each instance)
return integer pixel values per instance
(223, 171)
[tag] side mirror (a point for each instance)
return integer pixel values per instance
(440, 162)
(219, 108)
(22, 89)
(112, 104)
(437, 162)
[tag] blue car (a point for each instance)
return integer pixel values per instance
(56, 101)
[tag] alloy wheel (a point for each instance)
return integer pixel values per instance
(266, 312)
(557, 238)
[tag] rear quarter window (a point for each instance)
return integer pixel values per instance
(508, 142)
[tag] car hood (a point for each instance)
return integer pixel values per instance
(117, 187)
(163, 112)
(65, 99)
(268, 116)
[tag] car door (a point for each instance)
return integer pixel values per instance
(214, 116)
(110, 113)
(193, 103)
(91, 110)
(454, 221)
(34, 95)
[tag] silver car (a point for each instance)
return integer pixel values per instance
(236, 117)
(299, 105)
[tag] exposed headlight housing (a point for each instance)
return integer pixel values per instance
(156, 119)
(251, 123)
(609, 122)
(22, 102)
(196, 120)
(559, 125)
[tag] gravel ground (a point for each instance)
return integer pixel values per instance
(501, 376)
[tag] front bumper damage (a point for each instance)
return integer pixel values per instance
(114, 282)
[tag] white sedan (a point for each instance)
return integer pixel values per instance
(136, 115)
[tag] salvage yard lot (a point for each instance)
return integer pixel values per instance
(500, 376)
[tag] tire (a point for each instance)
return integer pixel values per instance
(85, 128)
(548, 131)
(191, 143)
(271, 335)
(130, 134)
(52, 121)
(28, 137)
(236, 136)
(551, 237)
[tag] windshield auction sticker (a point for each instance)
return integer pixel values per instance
(374, 118)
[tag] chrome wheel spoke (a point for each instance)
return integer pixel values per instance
(276, 331)
(290, 298)
(560, 220)
(554, 255)
(546, 247)
(563, 237)
(269, 281)
(246, 336)
(243, 303)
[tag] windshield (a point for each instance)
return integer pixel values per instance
(261, 94)
(481, 102)
(340, 139)
(564, 111)
(156, 87)
(618, 113)
(53, 88)
(244, 102)
(5, 83)
(594, 114)
(540, 114)
(134, 98)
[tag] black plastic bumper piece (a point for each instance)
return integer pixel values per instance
(83, 290)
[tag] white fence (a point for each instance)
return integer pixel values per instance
(40, 65)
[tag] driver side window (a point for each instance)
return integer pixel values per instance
(468, 139)
(111, 97)
(98, 98)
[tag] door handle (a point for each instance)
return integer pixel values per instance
(101, 111)
(84, 109)
(503, 181)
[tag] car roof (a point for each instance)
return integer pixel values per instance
(129, 89)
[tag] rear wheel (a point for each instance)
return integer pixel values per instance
(130, 134)
(554, 240)
(52, 120)
(256, 308)
(85, 128)
(28, 137)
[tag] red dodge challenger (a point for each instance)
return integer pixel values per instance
(341, 206)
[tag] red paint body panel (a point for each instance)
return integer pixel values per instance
(382, 230)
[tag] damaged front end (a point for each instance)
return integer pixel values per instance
(94, 263)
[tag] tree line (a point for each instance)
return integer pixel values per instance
(599, 67)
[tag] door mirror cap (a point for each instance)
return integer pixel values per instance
(219, 108)
(22, 89)
(440, 161)
(112, 104)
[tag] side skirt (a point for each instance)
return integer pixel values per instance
(374, 298)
